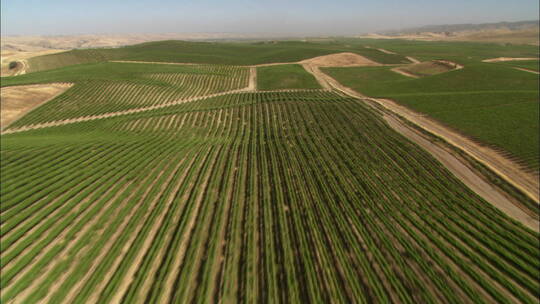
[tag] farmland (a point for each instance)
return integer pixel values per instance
(486, 101)
(212, 53)
(251, 230)
(278, 77)
(175, 183)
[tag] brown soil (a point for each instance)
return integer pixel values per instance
(340, 60)
(521, 36)
(252, 79)
(18, 100)
(502, 59)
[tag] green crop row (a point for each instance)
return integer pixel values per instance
(254, 197)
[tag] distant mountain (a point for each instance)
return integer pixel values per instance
(452, 28)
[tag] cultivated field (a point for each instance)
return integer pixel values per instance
(176, 183)
(490, 102)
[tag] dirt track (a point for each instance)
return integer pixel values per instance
(473, 180)
(252, 79)
(404, 73)
(527, 70)
(502, 59)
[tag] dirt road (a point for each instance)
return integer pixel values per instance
(472, 179)
(502, 59)
(252, 79)
(404, 73)
(504, 167)
(527, 70)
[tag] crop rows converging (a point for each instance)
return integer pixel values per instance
(250, 197)
(97, 96)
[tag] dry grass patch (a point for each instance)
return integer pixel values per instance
(340, 60)
(16, 101)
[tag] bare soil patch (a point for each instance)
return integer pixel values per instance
(16, 101)
(340, 60)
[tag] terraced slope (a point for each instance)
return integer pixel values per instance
(293, 197)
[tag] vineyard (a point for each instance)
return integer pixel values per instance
(116, 87)
(247, 197)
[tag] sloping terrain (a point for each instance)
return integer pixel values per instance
(250, 197)
(212, 53)
(177, 183)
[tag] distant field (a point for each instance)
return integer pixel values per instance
(292, 76)
(212, 53)
(427, 68)
(491, 103)
(533, 65)
(253, 197)
(460, 52)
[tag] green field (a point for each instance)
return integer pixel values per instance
(489, 102)
(250, 197)
(212, 53)
(291, 76)
(200, 191)
(533, 65)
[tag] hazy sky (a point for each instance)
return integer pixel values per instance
(296, 17)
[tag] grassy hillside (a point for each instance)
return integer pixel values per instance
(211, 53)
(263, 197)
(494, 104)
(292, 76)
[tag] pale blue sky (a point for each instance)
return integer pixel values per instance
(295, 17)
